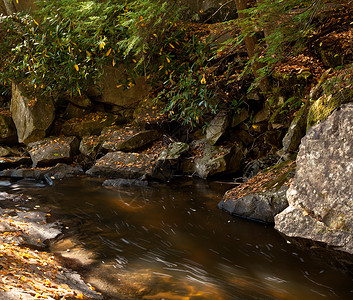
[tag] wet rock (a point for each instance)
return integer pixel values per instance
(53, 150)
(8, 133)
(91, 124)
(127, 139)
(32, 226)
(32, 117)
(123, 182)
(13, 162)
(122, 165)
(90, 146)
(169, 162)
(260, 207)
(320, 196)
(58, 171)
(212, 160)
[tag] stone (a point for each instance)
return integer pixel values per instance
(169, 162)
(53, 150)
(217, 127)
(127, 139)
(90, 146)
(8, 133)
(260, 207)
(216, 160)
(13, 162)
(32, 226)
(4, 151)
(320, 196)
(72, 111)
(296, 130)
(262, 116)
(58, 171)
(81, 101)
(32, 117)
(122, 165)
(240, 117)
(114, 93)
(91, 124)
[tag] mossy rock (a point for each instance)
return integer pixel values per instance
(322, 108)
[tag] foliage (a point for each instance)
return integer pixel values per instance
(280, 27)
(62, 47)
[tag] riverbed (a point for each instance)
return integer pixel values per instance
(169, 241)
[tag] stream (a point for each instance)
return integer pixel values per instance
(170, 241)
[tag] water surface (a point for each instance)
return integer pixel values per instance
(169, 241)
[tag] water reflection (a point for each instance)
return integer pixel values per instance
(171, 242)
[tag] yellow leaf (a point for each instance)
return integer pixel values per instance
(108, 52)
(76, 67)
(168, 59)
(255, 126)
(203, 79)
(79, 91)
(171, 45)
(80, 296)
(118, 86)
(35, 22)
(113, 62)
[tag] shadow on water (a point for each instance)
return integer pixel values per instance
(171, 242)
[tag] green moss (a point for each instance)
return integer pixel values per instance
(322, 108)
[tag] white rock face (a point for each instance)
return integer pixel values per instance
(321, 195)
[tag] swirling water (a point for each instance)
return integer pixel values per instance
(169, 241)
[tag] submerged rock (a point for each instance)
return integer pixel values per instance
(123, 182)
(321, 194)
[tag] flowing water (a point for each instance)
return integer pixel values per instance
(171, 242)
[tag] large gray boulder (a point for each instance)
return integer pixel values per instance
(53, 150)
(320, 196)
(32, 117)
